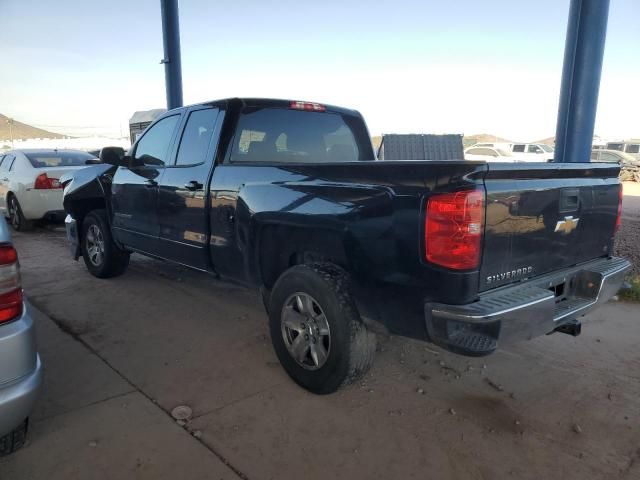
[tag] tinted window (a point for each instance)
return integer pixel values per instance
(196, 137)
(633, 148)
(534, 149)
(59, 158)
(285, 135)
(518, 148)
(153, 147)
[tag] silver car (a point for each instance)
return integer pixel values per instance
(20, 367)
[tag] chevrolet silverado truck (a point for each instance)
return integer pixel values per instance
(287, 197)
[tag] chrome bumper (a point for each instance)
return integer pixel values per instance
(20, 371)
(525, 310)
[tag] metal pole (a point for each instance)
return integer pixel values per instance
(171, 60)
(584, 49)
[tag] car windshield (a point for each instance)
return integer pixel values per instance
(546, 148)
(53, 158)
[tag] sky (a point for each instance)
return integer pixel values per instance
(83, 67)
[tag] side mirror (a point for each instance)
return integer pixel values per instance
(114, 156)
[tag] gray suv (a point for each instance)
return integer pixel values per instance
(20, 367)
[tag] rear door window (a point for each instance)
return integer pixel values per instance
(518, 148)
(196, 137)
(282, 135)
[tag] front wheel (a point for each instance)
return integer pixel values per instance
(101, 255)
(316, 331)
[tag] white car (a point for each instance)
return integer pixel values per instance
(29, 183)
(532, 152)
(488, 154)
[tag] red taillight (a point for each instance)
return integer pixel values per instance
(453, 229)
(619, 217)
(43, 182)
(308, 106)
(10, 284)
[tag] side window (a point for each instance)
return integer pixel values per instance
(475, 151)
(518, 148)
(196, 137)
(7, 161)
(153, 147)
(533, 149)
(632, 148)
(594, 156)
(608, 157)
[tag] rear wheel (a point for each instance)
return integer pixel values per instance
(16, 217)
(101, 255)
(14, 440)
(315, 328)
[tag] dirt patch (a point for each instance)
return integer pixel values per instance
(628, 238)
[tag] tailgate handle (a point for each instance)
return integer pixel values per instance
(569, 200)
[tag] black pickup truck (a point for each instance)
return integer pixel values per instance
(287, 197)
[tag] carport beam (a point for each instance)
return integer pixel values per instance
(584, 50)
(172, 62)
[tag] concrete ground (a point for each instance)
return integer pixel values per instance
(120, 354)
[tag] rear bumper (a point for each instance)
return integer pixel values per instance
(20, 372)
(36, 204)
(525, 310)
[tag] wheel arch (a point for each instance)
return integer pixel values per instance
(282, 246)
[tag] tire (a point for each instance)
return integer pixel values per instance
(14, 440)
(16, 218)
(101, 255)
(333, 346)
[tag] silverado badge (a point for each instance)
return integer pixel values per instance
(566, 226)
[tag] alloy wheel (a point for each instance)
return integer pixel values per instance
(305, 331)
(95, 245)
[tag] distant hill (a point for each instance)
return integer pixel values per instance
(22, 131)
(469, 140)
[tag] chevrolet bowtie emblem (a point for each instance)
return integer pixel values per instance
(567, 225)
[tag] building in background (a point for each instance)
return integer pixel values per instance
(421, 147)
(141, 120)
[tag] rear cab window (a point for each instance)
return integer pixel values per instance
(286, 135)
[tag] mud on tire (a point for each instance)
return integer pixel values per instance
(14, 440)
(351, 347)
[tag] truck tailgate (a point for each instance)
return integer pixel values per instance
(540, 219)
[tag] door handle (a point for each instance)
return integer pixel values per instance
(192, 185)
(151, 183)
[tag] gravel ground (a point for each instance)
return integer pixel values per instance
(628, 238)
